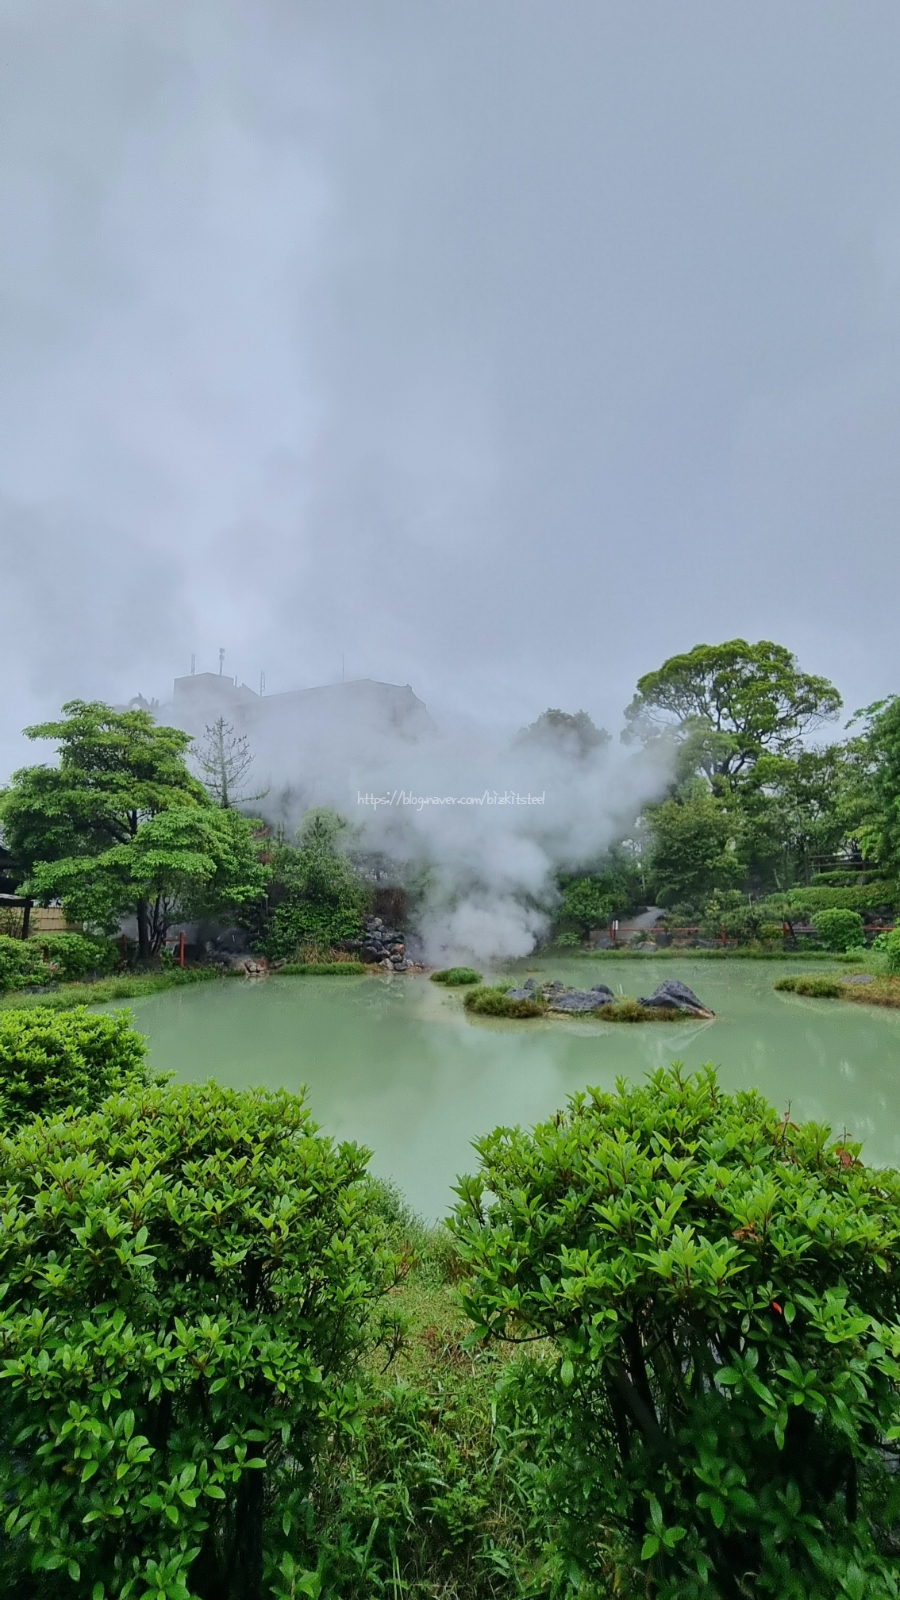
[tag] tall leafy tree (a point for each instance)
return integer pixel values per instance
(695, 847)
(120, 825)
(568, 733)
(879, 807)
(727, 705)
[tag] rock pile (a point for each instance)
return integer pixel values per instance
(559, 998)
(382, 946)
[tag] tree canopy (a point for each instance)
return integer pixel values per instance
(120, 825)
(731, 703)
(568, 733)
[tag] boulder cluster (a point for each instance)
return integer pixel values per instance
(381, 946)
(671, 996)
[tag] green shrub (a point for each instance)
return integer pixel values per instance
(821, 988)
(495, 1002)
(455, 977)
(75, 955)
(889, 945)
(839, 930)
(189, 1278)
(629, 1010)
(52, 1062)
(721, 1289)
(21, 963)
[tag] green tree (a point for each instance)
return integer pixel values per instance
(880, 810)
(224, 758)
(189, 1277)
(319, 895)
(729, 704)
(720, 1291)
(121, 825)
(569, 733)
(694, 847)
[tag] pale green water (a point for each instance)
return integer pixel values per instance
(398, 1065)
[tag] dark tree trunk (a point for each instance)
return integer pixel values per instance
(143, 922)
(247, 1570)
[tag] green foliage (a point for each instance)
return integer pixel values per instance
(693, 848)
(839, 930)
(731, 910)
(187, 861)
(802, 903)
(630, 1010)
(721, 1287)
(455, 977)
(190, 1274)
(731, 703)
(121, 825)
(821, 988)
(570, 734)
(323, 895)
(75, 955)
(587, 903)
(881, 816)
(21, 963)
(51, 1063)
(322, 969)
(889, 945)
(488, 1001)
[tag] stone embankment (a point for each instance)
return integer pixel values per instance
(381, 946)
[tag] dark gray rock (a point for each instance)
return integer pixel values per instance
(676, 996)
(582, 999)
(526, 992)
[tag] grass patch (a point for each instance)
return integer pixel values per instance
(455, 977)
(629, 1010)
(688, 953)
(495, 1002)
(321, 969)
(882, 991)
(817, 986)
(128, 987)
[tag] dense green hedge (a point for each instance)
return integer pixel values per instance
(190, 1274)
(721, 1291)
(25, 963)
(51, 1062)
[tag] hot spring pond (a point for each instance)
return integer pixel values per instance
(398, 1065)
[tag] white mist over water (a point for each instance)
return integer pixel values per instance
(480, 820)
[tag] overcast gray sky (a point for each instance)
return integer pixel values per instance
(499, 347)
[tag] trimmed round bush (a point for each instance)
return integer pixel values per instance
(455, 977)
(77, 955)
(21, 963)
(839, 930)
(56, 1061)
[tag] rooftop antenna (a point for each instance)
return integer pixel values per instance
(193, 665)
(221, 661)
(262, 684)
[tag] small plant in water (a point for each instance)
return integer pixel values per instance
(455, 977)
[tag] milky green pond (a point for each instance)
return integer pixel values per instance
(397, 1064)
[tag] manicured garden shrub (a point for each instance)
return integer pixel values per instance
(52, 1062)
(455, 977)
(75, 955)
(491, 1002)
(189, 1275)
(21, 963)
(722, 1288)
(839, 930)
